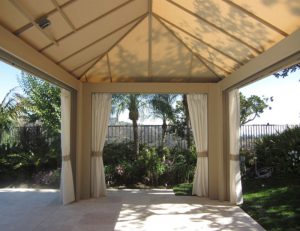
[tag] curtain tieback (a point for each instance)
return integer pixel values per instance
(202, 154)
(66, 158)
(234, 157)
(97, 153)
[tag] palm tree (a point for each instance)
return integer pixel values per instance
(162, 107)
(9, 108)
(134, 103)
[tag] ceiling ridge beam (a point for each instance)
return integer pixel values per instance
(180, 40)
(88, 23)
(27, 14)
(150, 40)
(254, 16)
(200, 40)
(29, 25)
(100, 39)
(119, 40)
(63, 14)
(215, 26)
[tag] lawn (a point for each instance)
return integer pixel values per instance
(274, 203)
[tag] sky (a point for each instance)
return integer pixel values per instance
(285, 92)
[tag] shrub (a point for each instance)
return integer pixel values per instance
(280, 151)
(153, 166)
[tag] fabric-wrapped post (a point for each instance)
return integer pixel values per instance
(101, 106)
(197, 104)
(66, 183)
(236, 195)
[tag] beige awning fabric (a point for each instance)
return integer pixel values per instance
(150, 40)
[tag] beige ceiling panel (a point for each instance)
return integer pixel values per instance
(99, 72)
(37, 8)
(95, 50)
(80, 70)
(89, 10)
(169, 56)
(130, 57)
(35, 38)
(234, 21)
(10, 17)
(285, 14)
(202, 30)
(94, 31)
(206, 52)
(200, 72)
(58, 27)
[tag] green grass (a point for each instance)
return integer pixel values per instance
(184, 189)
(274, 203)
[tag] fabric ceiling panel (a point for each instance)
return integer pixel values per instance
(201, 72)
(285, 14)
(95, 50)
(35, 38)
(205, 52)
(169, 56)
(202, 30)
(36, 8)
(89, 10)
(130, 57)
(83, 68)
(10, 17)
(58, 28)
(96, 30)
(98, 73)
(234, 21)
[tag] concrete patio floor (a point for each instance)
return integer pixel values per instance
(36, 210)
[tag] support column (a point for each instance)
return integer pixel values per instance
(216, 161)
(85, 164)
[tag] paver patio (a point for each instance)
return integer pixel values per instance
(31, 209)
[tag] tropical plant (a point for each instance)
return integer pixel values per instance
(41, 102)
(162, 107)
(9, 110)
(135, 104)
(181, 122)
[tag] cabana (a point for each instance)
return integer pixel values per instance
(205, 49)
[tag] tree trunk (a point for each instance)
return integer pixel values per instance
(187, 121)
(135, 137)
(164, 132)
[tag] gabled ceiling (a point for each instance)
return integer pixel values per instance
(151, 40)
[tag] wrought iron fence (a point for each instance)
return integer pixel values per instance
(148, 134)
(249, 133)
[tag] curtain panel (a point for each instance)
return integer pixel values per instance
(236, 195)
(101, 107)
(197, 104)
(66, 183)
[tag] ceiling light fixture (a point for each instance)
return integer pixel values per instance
(43, 22)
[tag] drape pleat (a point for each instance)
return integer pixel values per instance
(236, 195)
(66, 184)
(101, 107)
(197, 104)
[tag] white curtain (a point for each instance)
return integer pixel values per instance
(101, 107)
(197, 104)
(66, 184)
(236, 195)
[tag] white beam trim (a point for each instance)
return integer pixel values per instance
(148, 88)
(277, 57)
(21, 50)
